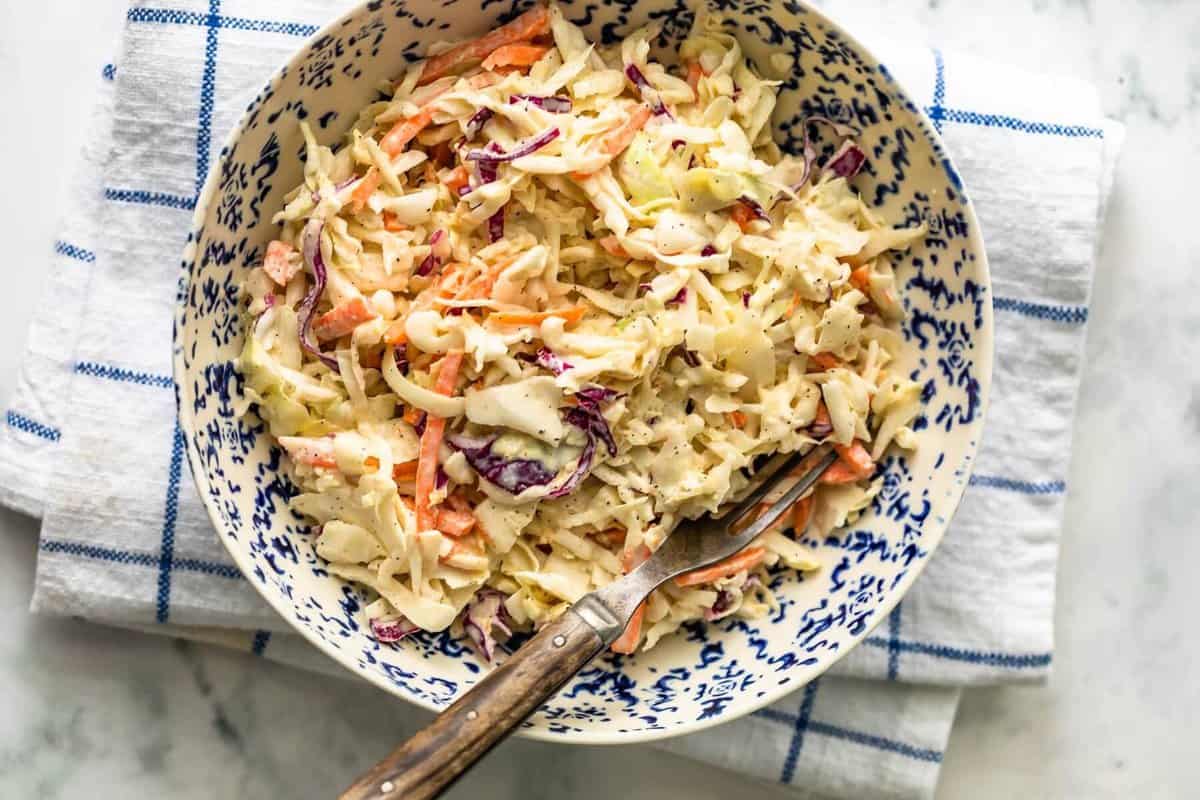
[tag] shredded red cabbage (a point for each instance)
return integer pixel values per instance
(678, 143)
(308, 306)
(722, 606)
(555, 104)
(392, 630)
(512, 475)
(484, 615)
(587, 417)
(595, 395)
(708, 250)
(680, 297)
(649, 93)
(581, 469)
(520, 151)
(847, 161)
(487, 173)
(495, 225)
(436, 253)
(727, 599)
(476, 122)
(810, 153)
(547, 359)
(745, 299)
(441, 478)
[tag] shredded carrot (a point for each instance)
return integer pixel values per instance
(456, 179)
(412, 415)
(627, 642)
(366, 187)
(854, 464)
(406, 471)
(861, 278)
(856, 456)
(840, 472)
(801, 513)
(612, 246)
(632, 559)
(825, 360)
(763, 508)
(406, 130)
(395, 335)
(795, 302)
(694, 73)
(570, 315)
(392, 223)
(610, 537)
(822, 419)
(482, 80)
(454, 523)
(534, 22)
(370, 463)
(431, 441)
(342, 319)
(278, 265)
(459, 503)
(742, 214)
(737, 419)
(615, 142)
(515, 55)
(747, 559)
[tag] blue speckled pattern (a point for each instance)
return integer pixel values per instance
(706, 674)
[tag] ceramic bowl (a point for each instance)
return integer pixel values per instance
(704, 675)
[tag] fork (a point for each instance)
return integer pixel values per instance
(428, 763)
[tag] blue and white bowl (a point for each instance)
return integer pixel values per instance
(709, 673)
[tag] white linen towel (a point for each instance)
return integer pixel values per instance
(130, 544)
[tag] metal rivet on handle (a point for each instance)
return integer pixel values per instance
(472, 715)
(560, 640)
(387, 787)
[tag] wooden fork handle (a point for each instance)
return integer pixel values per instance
(428, 763)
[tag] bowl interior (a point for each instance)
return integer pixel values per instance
(707, 673)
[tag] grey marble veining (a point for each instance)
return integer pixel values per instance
(99, 713)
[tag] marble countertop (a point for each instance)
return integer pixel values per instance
(99, 713)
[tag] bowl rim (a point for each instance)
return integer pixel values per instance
(984, 360)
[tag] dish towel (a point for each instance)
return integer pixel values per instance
(129, 544)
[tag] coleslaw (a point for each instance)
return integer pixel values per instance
(548, 300)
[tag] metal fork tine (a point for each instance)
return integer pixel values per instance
(699, 543)
(768, 478)
(816, 462)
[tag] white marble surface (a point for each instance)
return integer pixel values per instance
(96, 713)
